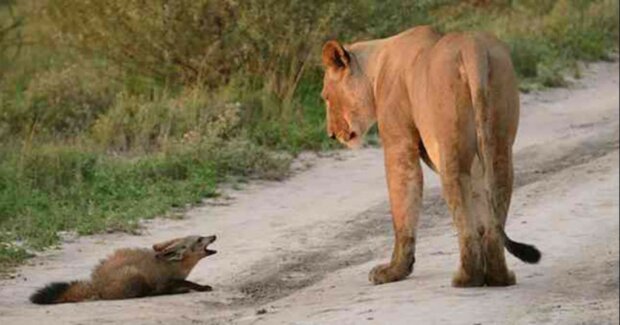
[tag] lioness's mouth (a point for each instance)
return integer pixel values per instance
(210, 251)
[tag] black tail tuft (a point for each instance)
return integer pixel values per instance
(50, 293)
(526, 253)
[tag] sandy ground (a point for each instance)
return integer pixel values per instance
(298, 251)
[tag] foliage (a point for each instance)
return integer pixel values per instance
(50, 189)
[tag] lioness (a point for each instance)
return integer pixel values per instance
(453, 102)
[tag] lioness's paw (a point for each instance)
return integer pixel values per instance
(385, 273)
(463, 280)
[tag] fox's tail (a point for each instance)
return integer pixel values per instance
(477, 69)
(60, 292)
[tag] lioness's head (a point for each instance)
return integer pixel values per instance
(348, 96)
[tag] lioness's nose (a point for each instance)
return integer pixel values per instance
(332, 136)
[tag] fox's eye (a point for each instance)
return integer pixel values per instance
(200, 240)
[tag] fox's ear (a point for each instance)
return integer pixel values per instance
(171, 254)
(335, 56)
(161, 246)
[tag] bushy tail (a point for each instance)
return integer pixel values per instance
(61, 292)
(476, 62)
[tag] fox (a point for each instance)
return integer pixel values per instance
(135, 272)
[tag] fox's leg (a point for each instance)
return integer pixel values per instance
(184, 286)
(137, 287)
(126, 282)
(193, 285)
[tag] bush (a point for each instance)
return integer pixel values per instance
(205, 41)
(182, 40)
(581, 28)
(546, 38)
(59, 103)
(10, 33)
(139, 123)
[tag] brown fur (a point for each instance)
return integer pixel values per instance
(132, 273)
(453, 102)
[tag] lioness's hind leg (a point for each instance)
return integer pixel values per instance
(496, 201)
(496, 273)
(457, 190)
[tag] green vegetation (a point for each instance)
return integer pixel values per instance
(112, 111)
(52, 189)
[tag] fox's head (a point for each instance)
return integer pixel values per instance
(186, 250)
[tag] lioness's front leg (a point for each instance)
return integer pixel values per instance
(404, 177)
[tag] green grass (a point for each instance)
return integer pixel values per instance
(52, 189)
(546, 37)
(302, 128)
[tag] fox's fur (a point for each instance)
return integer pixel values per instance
(133, 273)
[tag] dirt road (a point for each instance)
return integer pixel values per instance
(298, 252)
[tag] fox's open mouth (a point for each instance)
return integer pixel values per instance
(210, 251)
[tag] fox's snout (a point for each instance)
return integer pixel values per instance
(207, 241)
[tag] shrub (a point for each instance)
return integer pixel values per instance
(186, 40)
(139, 123)
(60, 103)
(545, 37)
(580, 28)
(10, 33)
(205, 41)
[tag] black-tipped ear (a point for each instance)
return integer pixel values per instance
(335, 56)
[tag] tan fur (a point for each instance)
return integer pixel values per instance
(132, 273)
(450, 100)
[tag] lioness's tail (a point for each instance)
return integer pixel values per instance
(60, 292)
(525, 252)
(476, 61)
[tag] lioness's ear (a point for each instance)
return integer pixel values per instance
(335, 56)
